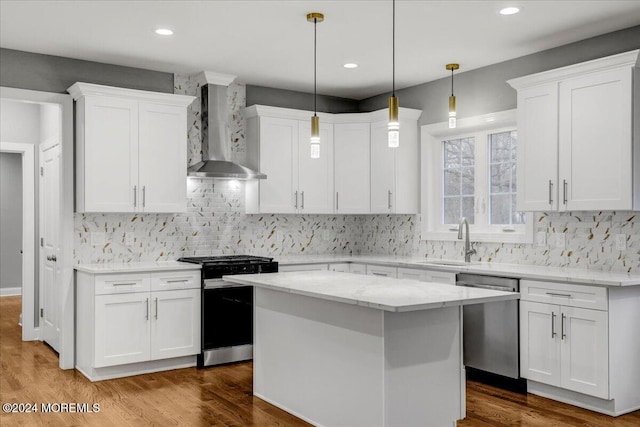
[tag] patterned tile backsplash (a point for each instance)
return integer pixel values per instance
(216, 224)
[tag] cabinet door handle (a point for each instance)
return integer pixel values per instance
(124, 284)
(553, 325)
(389, 199)
(550, 192)
(302, 196)
(378, 274)
(156, 308)
(564, 191)
(554, 294)
(296, 205)
(563, 336)
(135, 196)
(144, 196)
(146, 304)
(178, 281)
(337, 200)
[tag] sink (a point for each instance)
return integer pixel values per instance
(446, 262)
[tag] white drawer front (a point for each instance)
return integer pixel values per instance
(412, 273)
(381, 270)
(441, 277)
(122, 283)
(566, 294)
(303, 267)
(358, 268)
(170, 280)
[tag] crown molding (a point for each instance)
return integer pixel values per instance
(79, 89)
(209, 77)
(289, 113)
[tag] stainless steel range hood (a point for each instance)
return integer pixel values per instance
(216, 141)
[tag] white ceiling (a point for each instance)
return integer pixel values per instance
(270, 43)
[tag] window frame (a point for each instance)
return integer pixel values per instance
(432, 186)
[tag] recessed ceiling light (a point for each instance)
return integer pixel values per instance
(509, 11)
(350, 65)
(164, 32)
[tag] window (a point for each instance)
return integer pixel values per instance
(470, 172)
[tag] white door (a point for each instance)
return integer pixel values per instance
(351, 167)
(122, 329)
(111, 155)
(585, 351)
(162, 160)
(540, 330)
(537, 168)
(383, 169)
(279, 161)
(315, 176)
(596, 142)
(175, 326)
(50, 245)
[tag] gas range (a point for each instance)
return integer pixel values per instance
(214, 267)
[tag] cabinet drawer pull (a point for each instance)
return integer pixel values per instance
(156, 308)
(178, 281)
(553, 325)
(146, 304)
(125, 284)
(378, 274)
(563, 336)
(550, 192)
(564, 191)
(554, 294)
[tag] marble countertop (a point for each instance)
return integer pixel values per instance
(381, 293)
(521, 271)
(136, 267)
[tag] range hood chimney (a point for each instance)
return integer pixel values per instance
(215, 134)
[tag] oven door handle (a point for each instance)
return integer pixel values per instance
(237, 301)
(219, 283)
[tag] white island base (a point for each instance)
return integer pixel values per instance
(336, 364)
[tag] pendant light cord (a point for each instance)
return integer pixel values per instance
(451, 81)
(393, 49)
(315, 68)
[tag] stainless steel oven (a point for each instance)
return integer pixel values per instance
(227, 308)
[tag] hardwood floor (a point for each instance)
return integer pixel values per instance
(220, 396)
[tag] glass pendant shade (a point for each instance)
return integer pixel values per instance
(394, 123)
(315, 137)
(452, 112)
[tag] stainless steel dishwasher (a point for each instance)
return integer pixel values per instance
(490, 330)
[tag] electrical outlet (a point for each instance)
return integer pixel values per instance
(98, 238)
(560, 241)
(129, 239)
(541, 238)
(621, 242)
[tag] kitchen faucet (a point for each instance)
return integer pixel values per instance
(468, 251)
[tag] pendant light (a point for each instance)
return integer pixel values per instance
(452, 98)
(394, 123)
(315, 17)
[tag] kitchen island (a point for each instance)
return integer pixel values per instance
(338, 349)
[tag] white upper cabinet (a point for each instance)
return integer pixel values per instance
(131, 150)
(575, 137)
(395, 171)
(351, 167)
(279, 147)
(346, 178)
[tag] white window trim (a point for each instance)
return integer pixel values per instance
(431, 181)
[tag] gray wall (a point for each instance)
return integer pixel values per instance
(484, 90)
(26, 70)
(10, 220)
(299, 100)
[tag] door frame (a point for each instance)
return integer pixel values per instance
(29, 330)
(67, 294)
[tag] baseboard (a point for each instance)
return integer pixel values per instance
(10, 292)
(120, 371)
(284, 408)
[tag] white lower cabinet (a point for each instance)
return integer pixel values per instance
(342, 267)
(135, 323)
(427, 275)
(565, 347)
(356, 268)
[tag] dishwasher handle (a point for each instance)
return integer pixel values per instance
(492, 287)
